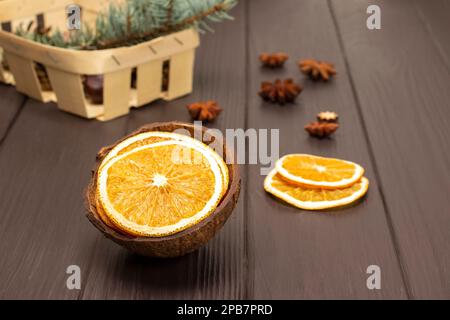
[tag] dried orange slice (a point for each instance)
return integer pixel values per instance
(318, 172)
(149, 192)
(150, 137)
(104, 217)
(313, 198)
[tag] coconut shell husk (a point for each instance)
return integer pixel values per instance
(182, 242)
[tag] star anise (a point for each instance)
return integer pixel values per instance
(280, 91)
(204, 111)
(273, 60)
(321, 129)
(327, 116)
(317, 70)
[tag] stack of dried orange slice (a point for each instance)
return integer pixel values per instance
(314, 183)
(155, 184)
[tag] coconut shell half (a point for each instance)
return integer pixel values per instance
(185, 241)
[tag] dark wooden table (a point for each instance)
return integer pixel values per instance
(393, 96)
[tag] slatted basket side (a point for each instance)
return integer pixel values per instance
(5, 75)
(21, 12)
(131, 76)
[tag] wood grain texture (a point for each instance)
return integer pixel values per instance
(294, 253)
(391, 92)
(10, 104)
(217, 270)
(403, 87)
(435, 15)
(45, 164)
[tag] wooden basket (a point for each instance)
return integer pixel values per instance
(67, 68)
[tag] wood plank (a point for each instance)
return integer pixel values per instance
(219, 269)
(10, 104)
(403, 86)
(25, 77)
(293, 253)
(116, 94)
(435, 17)
(69, 91)
(45, 164)
(149, 79)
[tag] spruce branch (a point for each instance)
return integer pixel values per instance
(190, 21)
(133, 22)
(169, 14)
